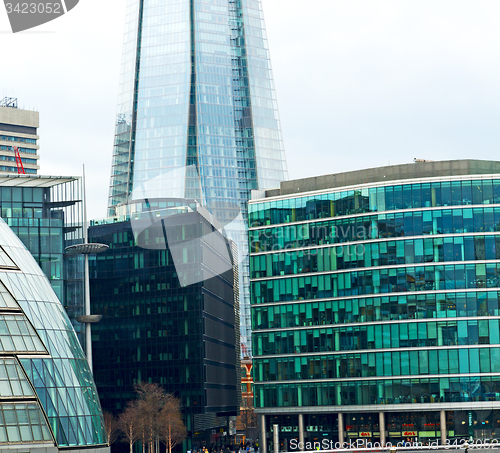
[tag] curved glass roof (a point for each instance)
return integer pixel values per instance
(44, 375)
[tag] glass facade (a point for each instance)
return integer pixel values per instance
(46, 214)
(382, 298)
(47, 393)
(153, 329)
(197, 112)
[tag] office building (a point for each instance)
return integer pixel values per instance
(154, 329)
(197, 114)
(375, 304)
(18, 128)
(45, 212)
(48, 400)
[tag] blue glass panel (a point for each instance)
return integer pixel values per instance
(66, 368)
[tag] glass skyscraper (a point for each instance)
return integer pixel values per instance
(197, 112)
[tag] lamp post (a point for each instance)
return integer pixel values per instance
(87, 319)
(87, 249)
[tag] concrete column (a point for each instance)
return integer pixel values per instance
(263, 446)
(276, 438)
(341, 428)
(381, 424)
(443, 427)
(301, 431)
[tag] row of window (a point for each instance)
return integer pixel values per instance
(21, 212)
(41, 240)
(17, 335)
(14, 170)
(23, 422)
(380, 226)
(400, 363)
(390, 391)
(410, 251)
(393, 280)
(23, 194)
(378, 336)
(385, 308)
(13, 159)
(33, 222)
(21, 150)
(10, 138)
(375, 199)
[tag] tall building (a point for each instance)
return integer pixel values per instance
(45, 212)
(154, 329)
(376, 304)
(18, 128)
(48, 400)
(197, 113)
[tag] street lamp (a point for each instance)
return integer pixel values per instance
(87, 249)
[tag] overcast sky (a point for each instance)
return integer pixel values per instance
(360, 83)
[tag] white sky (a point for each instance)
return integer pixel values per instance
(360, 83)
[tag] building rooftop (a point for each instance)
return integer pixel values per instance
(7, 180)
(426, 169)
(10, 114)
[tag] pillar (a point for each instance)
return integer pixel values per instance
(443, 427)
(301, 431)
(341, 428)
(276, 438)
(263, 446)
(381, 424)
(88, 326)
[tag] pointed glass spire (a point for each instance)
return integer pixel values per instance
(197, 113)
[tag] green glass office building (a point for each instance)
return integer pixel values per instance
(375, 304)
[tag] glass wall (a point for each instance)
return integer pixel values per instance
(387, 391)
(375, 199)
(47, 219)
(378, 295)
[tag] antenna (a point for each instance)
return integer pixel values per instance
(9, 102)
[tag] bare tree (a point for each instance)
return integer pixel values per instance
(153, 417)
(247, 420)
(150, 402)
(129, 424)
(111, 427)
(172, 428)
